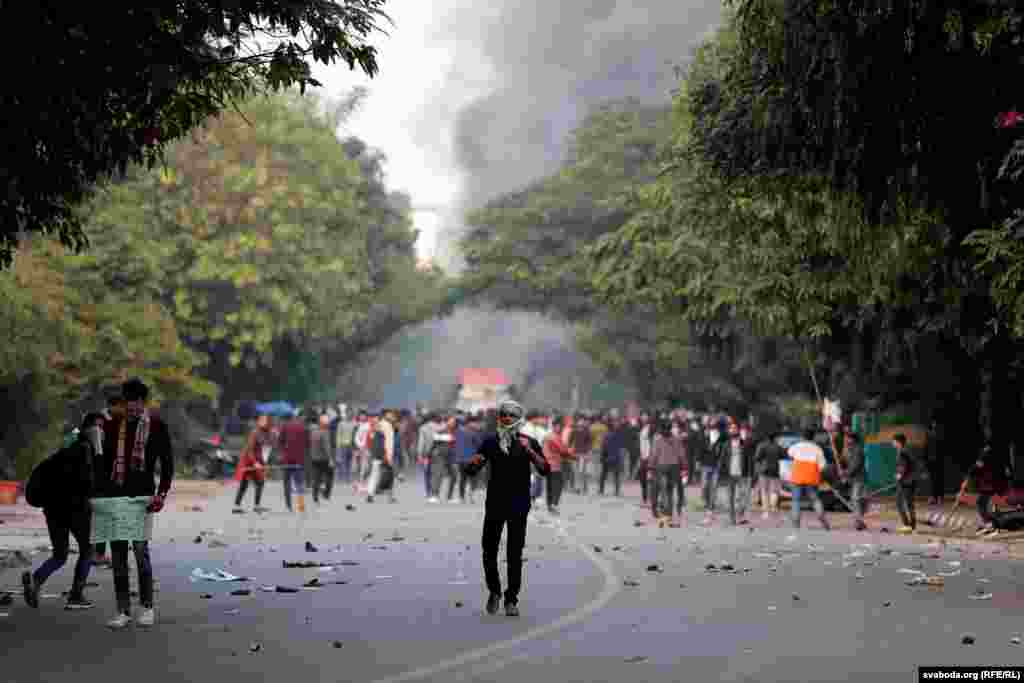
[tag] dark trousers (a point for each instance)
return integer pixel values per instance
(465, 480)
(615, 469)
(641, 474)
(344, 469)
(323, 480)
(905, 504)
(936, 476)
(732, 486)
(555, 482)
(122, 584)
(62, 524)
(440, 468)
(426, 477)
(984, 505)
(257, 485)
(494, 522)
(666, 480)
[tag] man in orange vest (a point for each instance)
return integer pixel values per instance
(805, 476)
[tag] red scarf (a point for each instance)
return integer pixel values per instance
(138, 453)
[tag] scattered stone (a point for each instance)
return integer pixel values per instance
(653, 568)
(458, 603)
(255, 647)
(968, 639)
(887, 603)
(630, 583)
(350, 508)
(796, 598)
(859, 576)
(206, 596)
(241, 592)
(1015, 640)
(616, 548)
(710, 568)
(285, 589)
(980, 595)
(396, 538)
(727, 568)
(312, 583)
(638, 523)
(217, 543)
(597, 549)
(635, 660)
(682, 585)
(310, 548)
(198, 539)
(340, 583)
(337, 644)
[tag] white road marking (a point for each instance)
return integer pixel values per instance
(612, 586)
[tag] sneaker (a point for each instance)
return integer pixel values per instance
(493, 603)
(122, 620)
(433, 500)
(238, 511)
(260, 509)
(147, 617)
(511, 609)
(78, 603)
(30, 590)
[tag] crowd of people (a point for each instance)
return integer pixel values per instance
(116, 454)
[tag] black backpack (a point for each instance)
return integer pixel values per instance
(40, 487)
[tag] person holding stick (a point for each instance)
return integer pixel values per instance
(510, 454)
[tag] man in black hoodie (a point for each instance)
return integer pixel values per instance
(510, 454)
(68, 513)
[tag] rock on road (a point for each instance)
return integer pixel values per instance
(603, 601)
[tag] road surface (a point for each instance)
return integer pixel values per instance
(604, 600)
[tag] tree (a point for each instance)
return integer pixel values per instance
(108, 86)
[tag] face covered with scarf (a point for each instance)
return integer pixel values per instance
(511, 417)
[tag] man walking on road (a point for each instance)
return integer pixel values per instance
(322, 458)
(252, 465)
(68, 513)
(510, 455)
(613, 454)
(294, 446)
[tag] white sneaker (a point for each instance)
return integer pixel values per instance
(433, 499)
(120, 621)
(147, 617)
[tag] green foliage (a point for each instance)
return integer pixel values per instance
(134, 79)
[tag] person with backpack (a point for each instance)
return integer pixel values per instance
(62, 485)
(132, 447)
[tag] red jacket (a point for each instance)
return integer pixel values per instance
(295, 442)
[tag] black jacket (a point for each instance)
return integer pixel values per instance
(73, 478)
(158, 449)
(767, 457)
(508, 488)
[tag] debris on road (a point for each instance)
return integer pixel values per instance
(310, 548)
(6, 599)
(350, 508)
(597, 549)
(1015, 640)
(285, 589)
(654, 568)
(199, 574)
(206, 596)
(255, 647)
(635, 660)
(630, 583)
(968, 639)
(312, 583)
(458, 603)
(980, 595)
(198, 539)
(241, 592)
(311, 564)
(337, 644)
(217, 543)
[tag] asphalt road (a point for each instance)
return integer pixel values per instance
(604, 600)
